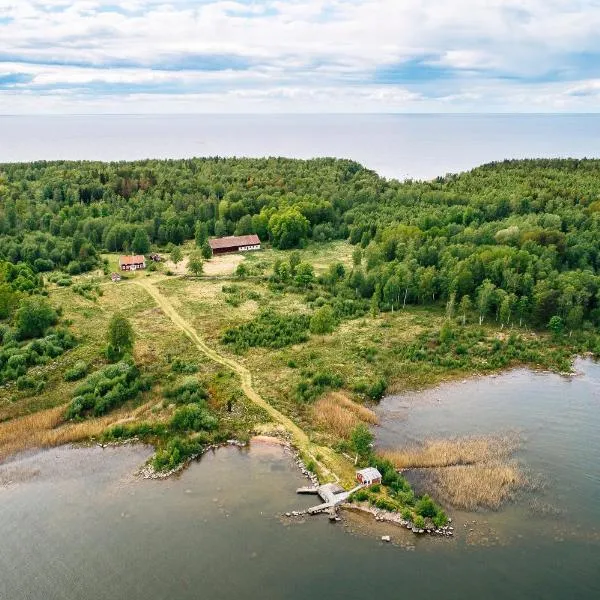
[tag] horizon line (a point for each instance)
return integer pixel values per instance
(301, 114)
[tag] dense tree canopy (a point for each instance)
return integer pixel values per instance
(518, 238)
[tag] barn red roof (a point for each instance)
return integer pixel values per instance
(234, 241)
(131, 260)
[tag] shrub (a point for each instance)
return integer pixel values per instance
(312, 386)
(17, 357)
(440, 519)
(361, 495)
(34, 317)
(107, 389)
(143, 430)
(323, 321)
(25, 382)
(268, 330)
(377, 389)
(426, 507)
(385, 504)
(175, 452)
(191, 391)
(181, 366)
(192, 417)
(77, 371)
(419, 522)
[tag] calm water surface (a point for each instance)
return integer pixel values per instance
(75, 523)
(557, 420)
(398, 146)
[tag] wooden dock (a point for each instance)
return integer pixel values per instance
(331, 493)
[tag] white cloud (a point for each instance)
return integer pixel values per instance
(436, 54)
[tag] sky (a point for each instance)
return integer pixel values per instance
(290, 56)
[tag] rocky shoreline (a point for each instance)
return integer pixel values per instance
(149, 472)
(384, 516)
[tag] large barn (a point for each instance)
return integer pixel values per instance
(235, 243)
(132, 263)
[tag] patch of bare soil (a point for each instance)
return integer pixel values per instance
(225, 264)
(181, 268)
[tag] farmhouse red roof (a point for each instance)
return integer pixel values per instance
(131, 260)
(234, 241)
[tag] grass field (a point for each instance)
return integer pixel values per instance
(29, 420)
(360, 352)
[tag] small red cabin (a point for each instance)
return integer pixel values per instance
(235, 243)
(368, 476)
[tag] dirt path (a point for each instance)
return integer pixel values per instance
(300, 439)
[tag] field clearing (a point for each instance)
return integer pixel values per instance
(320, 255)
(222, 264)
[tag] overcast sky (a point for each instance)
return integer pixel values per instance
(182, 56)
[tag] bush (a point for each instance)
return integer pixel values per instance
(385, 504)
(175, 452)
(268, 330)
(191, 391)
(323, 321)
(25, 382)
(192, 417)
(419, 522)
(17, 357)
(377, 389)
(143, 430)
(181, 366)
(107, 389)
(426, 507)
(77, 371)
(314, 385)
(34, 317)
(361, 495)
(440, 519)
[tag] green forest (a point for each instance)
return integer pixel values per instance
(514, 242)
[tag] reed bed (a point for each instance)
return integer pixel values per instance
(485, 485)
(46, 428)
(468, 473)
(452, 452)
(339, 415)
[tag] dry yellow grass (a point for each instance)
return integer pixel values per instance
(485, 485)
(339, 415)
(45, 429)
(445, 453)
(467, 473)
